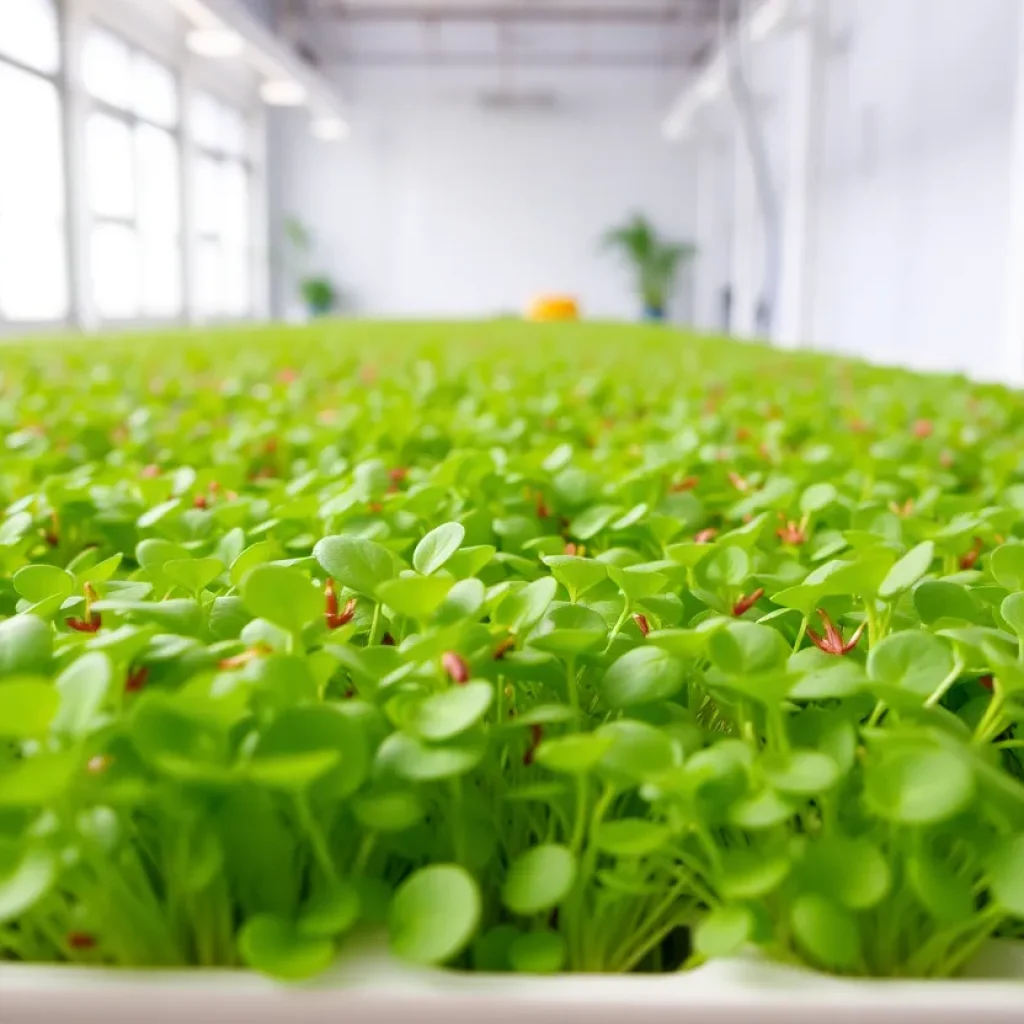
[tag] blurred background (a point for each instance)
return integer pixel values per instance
(846, 175)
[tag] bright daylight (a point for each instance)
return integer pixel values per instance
(512, 511)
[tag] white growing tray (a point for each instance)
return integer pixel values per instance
(373, 989)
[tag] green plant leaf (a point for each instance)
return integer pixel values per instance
(359, 564)
(193, 574)
(39, 582)
(1006, 874)
(416, 596)
(748, 649)
(916, 785)
(827, 934)
(437, 547)
(1006, 564)
(411, 758)
(282, 596)
(539, 879)
(630, 837)
(29, 878)
(802, 773)
(726, 567)
(26, 646)
(256, 554)
(577, 575)
(570, 630)
(642, 676)
(276, 947)
(36, 781)
(908, 570)
(914, 661)
(314, 742)
(817, 498)
(853, 872)
(637, 752)
(27, 707)
(946, 895)
(331, 912)
(83, 687)
(521, 610)
(434, 914)
(751, 874)
(1012, 609)
(724, 931)
(574, 755)
(542, 952)
(453, 711)
(942, 599)
(389, 810)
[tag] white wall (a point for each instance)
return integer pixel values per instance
(911, 216)
(437, 206)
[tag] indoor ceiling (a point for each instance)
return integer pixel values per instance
(538, 33)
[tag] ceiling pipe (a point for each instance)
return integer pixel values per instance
(712, 82)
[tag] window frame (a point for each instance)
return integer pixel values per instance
(222, 156)
(58, 78)
(232, 88)
(132, 120)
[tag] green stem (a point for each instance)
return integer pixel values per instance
(990, 726)
(570, 682)
(618, 626)
(364, 853)
(321, 851)
(872, 617)
(943, 687)
(458, 834)
(374, 625)
(876, 715)
(580, 825)
(802, 632)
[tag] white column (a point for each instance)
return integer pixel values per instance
(705, 160)
(76, 15)
(1014, 359)
(746, 240)
(261, 247)
(808, 54)
(189, 239)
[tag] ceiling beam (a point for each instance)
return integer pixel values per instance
(682, 10)
(642, 61)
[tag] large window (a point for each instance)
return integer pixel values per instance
(134, 181)
(33, 249)
(222, 209)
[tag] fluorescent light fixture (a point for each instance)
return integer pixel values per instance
(228, 28)
(767, 18)
(216, 43)
(328, 129)
(283, 92)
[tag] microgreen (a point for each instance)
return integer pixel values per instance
(491, 640)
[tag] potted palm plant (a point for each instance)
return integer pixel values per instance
(318, 292)
(656, 261)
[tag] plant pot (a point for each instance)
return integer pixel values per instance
(374, 989)
(318, 310)
(654, 314)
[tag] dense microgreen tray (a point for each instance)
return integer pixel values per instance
(577, 648)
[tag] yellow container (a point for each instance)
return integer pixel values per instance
(554, 307)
